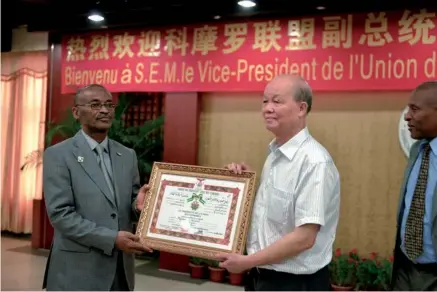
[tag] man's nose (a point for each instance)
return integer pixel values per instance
(268, 107)
(104, 109)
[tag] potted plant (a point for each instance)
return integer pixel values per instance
(342, 271)
(197, 266)
(383, 277)
(65, 129)
(367, 273)
(236, 278)
(216, 274)
(145, 139)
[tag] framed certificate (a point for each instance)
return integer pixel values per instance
(197, 211)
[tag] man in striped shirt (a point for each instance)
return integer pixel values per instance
(296, 209)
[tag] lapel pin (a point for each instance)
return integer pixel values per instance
(79, 159)
(118, 153)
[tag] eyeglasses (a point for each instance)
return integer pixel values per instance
(98, 106)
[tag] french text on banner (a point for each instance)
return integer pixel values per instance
(374, 51)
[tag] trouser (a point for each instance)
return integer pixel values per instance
(409, 276)
(120, 282)
(271, 280)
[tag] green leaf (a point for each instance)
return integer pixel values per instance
(146, 139)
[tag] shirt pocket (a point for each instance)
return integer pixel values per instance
(278, 205)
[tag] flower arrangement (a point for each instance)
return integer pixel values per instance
(384, 273)
(374, 273)
(342, 270)
(350, 271)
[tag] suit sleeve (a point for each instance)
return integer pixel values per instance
(59, 200)
(135, 186)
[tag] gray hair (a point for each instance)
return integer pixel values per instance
(93, 86)
(303, 92)
(300, 89)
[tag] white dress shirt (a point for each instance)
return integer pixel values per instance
(299, 184)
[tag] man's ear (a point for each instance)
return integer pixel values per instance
(303, 109)
(75, 112)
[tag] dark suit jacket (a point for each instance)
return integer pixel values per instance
(414, 152)
(85, 216)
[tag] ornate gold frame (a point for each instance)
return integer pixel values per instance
(242, 219)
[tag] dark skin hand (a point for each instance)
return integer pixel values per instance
(142, 193)
(130, 243)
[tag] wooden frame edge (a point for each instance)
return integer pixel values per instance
(242, 220)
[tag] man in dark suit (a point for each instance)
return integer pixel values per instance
(415, 264)
(92, 194)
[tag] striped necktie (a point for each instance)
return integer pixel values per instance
(414, 226)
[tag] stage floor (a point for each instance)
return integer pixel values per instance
(22, 268)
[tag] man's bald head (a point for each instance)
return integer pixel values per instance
(295, 86)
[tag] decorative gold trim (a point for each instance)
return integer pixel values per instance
(23, 72)
(242, 219)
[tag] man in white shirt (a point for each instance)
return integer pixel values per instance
(296, 208)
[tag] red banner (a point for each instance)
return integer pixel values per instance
(374, 51)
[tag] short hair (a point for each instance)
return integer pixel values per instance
(429, 89)
(300, 90)
(427, 86)
(303, 92)
(93, 86)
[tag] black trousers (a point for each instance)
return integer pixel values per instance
(270, 280)
(408, 276)
(120, 282)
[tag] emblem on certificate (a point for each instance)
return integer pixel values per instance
(197, 211)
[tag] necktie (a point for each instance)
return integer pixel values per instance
(104, 168)
(414, 226)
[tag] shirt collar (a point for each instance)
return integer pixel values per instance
(93, 143)
(290, 147)
(432, 144)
